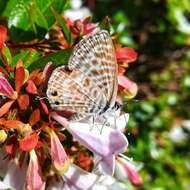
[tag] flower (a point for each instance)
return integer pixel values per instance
(81, 27)
(127, 87)
(125, 55)
(58, 154)
(125, 169)
(76, 178)
(34, 179)
(105, 143)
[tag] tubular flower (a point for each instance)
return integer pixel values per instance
(127, 87)
(106, 144)
(34, 179)
(125, 169)
(58, 154)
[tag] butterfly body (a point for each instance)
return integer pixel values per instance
(90, 88)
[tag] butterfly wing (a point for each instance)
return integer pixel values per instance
(95, 57)
(92, 84)
(67, 92)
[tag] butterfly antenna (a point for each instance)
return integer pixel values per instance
(103, 126)
(41, 98)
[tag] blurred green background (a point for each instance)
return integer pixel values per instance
(159, 125)
(159, 30)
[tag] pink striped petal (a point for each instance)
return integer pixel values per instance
(6, 89)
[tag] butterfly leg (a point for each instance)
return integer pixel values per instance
(93, 124)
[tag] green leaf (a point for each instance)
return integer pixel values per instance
(37, 17)
(8, 55)
(58, 59)
(27, 58)
(29, 19)
(63, 25)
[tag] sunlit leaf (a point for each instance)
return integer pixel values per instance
(58, 58)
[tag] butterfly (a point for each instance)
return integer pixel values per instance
(90, 86)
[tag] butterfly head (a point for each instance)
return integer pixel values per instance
(53, 97)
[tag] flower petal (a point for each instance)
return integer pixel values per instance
(58, 154)
(34, 117)
(4, 162)
(34, 179)
(3, 36)
(79, 179)
(126, 54)
(11, 145)
(3, 136)
(19, 75)
(105, 165)
(23, 101)
(6, 89)
(128, 87)
(31, 87)
(47, 71)
(132, 174)
(15, 176)
(44, 106)
(14, 124)
(29, 142)
(88, 27)
(5, 108)
(103, 142)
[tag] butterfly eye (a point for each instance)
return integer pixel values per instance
(54, 93)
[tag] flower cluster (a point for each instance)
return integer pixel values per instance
(39, 147)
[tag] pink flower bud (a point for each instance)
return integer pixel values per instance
(125, 169)
(34, 179)
(58, 154)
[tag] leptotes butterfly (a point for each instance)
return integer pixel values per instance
(90, 88)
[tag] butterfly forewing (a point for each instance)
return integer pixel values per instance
(91, 86)
(95, 57)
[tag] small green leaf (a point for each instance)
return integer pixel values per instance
(58, 59)
(8, 55)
